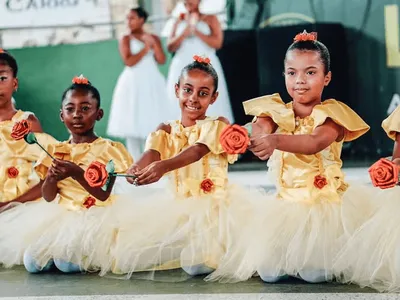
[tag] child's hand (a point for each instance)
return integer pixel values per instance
(63, 169)
(133, 170)
(263, 145)
(152, 173)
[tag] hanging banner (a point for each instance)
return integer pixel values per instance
(34, 13)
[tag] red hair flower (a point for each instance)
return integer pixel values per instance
(182, 16)
(20, 129)
(201, 59)
(207, 185)
(12, 172)
(89, 202)
(80, 80)
(305, 36)
(2, 50)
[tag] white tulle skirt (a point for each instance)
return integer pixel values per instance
(288, 238)
(164, 232)
(371, 257)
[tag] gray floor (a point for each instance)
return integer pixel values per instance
(18, 284)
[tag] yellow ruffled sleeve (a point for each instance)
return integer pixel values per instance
(116, 152)
(271, 106)
(342, 115)
(168, 145)
(391, 124)
(209, 134)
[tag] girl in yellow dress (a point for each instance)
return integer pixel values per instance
(71, 210)
(17, 180)
(299, 230)
(372, 256)
(192, 227)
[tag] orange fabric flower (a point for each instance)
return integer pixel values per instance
(207, 185)
(20, 129)
(320, 181)
(80, 80)
(234, 139)
(202, 60)
(89, 202)
(12, 172)
(384, 174)
(2, 50)
(305, 36)
(96, 174)
(182, 16)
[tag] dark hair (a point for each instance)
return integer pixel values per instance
(86, 88)
(207, 68)
(141, 13)
(313, 46)
(8, 60)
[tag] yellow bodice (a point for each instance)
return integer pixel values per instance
(295, 174)
(19, 155)
(391, 124)
(71, 194)
(214, 166)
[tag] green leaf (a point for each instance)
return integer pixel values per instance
(110, 167)
(30, 138)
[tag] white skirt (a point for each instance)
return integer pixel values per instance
(139, 102)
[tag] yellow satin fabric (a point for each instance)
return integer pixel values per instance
(71, 194)
(391, 124)
(20, 155)
(186, 181)
(295, 173)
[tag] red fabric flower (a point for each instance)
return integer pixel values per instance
(12, 172)
(234, 139)
(80, 80)
(89, 202)
(384, 173)
(207, 185)
(320, 181)
(20, 129)
(305, 36)
(96, 174)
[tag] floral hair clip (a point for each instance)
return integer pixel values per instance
(80, 80)
(202, 60)
(305, 36)
(2, 50)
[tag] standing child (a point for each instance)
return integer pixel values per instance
(299, 231)
(372, 256)
(140, 90)
(73, 211)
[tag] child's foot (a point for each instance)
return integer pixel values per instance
(314, 276)
(32, 267)
(66, 267)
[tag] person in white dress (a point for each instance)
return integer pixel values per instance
(196, 33)
(140, 90)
